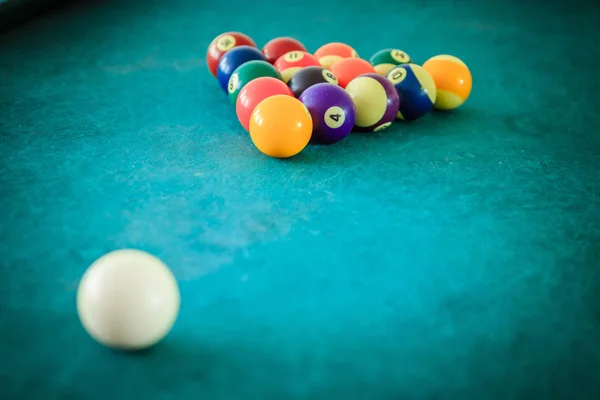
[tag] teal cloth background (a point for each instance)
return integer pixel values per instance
(452, 258)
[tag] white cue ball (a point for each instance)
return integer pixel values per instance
(128, 300)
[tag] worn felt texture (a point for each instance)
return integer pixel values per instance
(455, 257)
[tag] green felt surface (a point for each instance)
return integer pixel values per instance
(455, 257)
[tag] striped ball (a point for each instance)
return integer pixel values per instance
(416, 90)
(386, 59)
(452, 79)
(376, 102)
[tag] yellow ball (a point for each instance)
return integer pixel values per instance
(281, 126)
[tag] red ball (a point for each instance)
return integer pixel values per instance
(289, 63)
(256, 91)
(277, 47)
(222, 44)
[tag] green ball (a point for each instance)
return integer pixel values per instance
(245, 73)
(386, 59)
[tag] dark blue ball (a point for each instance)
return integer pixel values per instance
(416, 89)
(233, 59)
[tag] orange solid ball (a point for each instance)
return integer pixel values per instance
(281, 126)
(350, 68)
(256, 91)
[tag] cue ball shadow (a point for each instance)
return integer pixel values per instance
(175, 363)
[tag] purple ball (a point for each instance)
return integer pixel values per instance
(376, 101)
(332, 110)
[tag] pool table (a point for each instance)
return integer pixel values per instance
(453, 257)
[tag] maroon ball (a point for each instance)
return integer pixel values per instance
(376, 101)
(332, 111)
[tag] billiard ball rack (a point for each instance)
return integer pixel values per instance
(287, 98)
